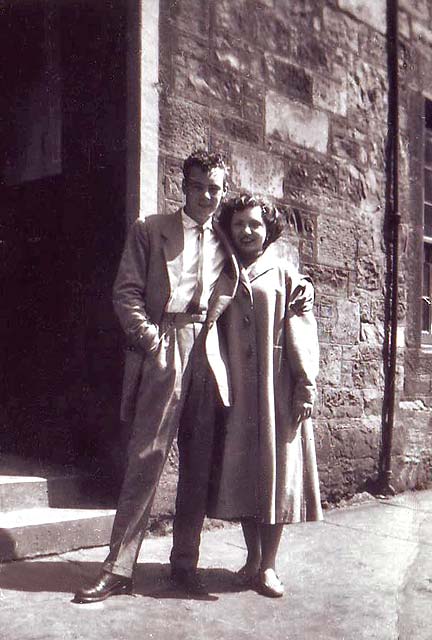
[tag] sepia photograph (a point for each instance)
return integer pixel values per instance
(215, 319)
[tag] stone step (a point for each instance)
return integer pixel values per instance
(41, 531)
(48, 490)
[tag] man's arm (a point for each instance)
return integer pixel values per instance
(130, 291)
(302, 344)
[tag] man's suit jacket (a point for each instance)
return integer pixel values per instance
(143, 288)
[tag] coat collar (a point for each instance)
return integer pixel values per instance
(227, 283)
(265, 262)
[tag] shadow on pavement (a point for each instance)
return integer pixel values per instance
(151, 579)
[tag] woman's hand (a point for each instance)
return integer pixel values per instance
(303, 411)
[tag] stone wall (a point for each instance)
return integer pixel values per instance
(296, 94)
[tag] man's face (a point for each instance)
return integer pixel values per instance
(204, 191)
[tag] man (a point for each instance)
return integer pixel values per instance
(176, 273)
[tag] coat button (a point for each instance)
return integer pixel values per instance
(247, 320)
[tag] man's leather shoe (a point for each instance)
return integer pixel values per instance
(188, 580)
(108, 584)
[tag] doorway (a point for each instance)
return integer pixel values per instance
(62, 199)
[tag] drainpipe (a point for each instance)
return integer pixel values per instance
(394, 224)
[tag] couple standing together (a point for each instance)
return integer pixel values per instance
(223, 351)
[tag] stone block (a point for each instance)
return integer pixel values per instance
(208, 85)
(421, 33)
(342, 403)
(347, 325)
(287, 79)
(328, 280)
(322, 442)
(355, 440)
(341, 31)
(373, 46)
(296, 123)
(348, 142)
(371, 12)
(253, 102)
(330, 96)
(236, 18)
(372, 401)
(352, 184)
(258, 171)
(173, 179)
(236, 129)
(367, 92)
(189, 15)
(337, 242)
(330, 366)
(368, 374)
(275, 32)
(230, 55)
(404, 24)
(183, 127)
(313, 174)
(313, 52)
(419, 8)
(184, 47)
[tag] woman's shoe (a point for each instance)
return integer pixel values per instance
(268, 584)
(247, 575)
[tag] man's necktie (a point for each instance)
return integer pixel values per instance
(194, 305)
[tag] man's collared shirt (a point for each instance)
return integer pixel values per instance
(186, 265)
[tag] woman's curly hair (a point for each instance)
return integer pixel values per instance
(272, 217)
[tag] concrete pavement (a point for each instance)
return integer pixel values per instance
(363, 573)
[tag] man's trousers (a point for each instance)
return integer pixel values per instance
(175, 390)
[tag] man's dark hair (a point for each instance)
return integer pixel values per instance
(205, 161)
(272, 217)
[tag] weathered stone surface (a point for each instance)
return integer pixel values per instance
(296, 95)
(348, 144)
(329, 280)
(296, 123)
(288, 79)
(190, 15)
(237, 129)
(368, 370)
(253, 102)
(367, 91)
(208, 85)
(173, 180)
(183, 127)
(341, 31)
(258, 171)
(245, 60)
(330, 364)
(329, 95)
(372, 12)
(274, 32)
(421, 32)
(235, 18)
(313, 174)
(337, 242)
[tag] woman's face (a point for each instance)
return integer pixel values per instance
(248, 232)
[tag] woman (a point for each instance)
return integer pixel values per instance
(267, 472)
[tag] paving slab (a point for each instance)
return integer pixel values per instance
(363, 573)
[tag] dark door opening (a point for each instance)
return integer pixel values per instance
(62, 190)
